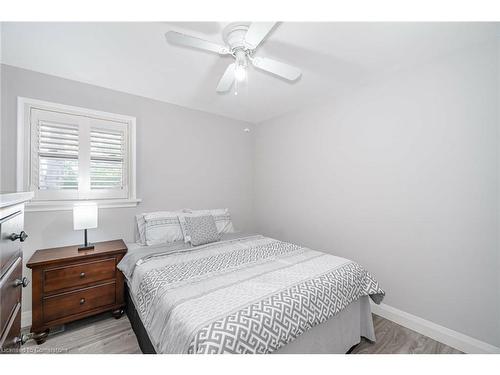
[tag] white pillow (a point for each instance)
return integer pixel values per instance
(141, 229)
(221, 216)
(161, 227)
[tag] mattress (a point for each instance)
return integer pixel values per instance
(249, 294)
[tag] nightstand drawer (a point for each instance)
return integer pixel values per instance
(66, 304)
(79, 274)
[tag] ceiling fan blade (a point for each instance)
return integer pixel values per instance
(227, 79)
(190, 41)
(257, 32)
(276, 67)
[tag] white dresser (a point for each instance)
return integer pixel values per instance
(12, 236)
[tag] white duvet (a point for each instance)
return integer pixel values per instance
(246, 294)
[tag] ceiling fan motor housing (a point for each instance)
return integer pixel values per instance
(234, 35)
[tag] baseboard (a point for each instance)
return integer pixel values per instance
(26, 319)
(435, 331)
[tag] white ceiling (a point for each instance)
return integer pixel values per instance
(135, 58)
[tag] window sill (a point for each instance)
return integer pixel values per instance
(36, 206)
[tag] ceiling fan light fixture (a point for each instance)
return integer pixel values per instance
(240, 73)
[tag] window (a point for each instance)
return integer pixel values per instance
(73, 154)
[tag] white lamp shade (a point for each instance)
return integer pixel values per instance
(85, 216)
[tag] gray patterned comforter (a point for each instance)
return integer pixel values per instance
(244, 295)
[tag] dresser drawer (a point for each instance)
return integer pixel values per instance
(79, 274)
(66, 304)
(9, 342)
(12, 222)
(10, 294)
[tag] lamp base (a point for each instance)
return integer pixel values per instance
(86, 247)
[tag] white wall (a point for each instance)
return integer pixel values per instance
(1, 59)
(498, 175)
(401, 176)
(185, 158)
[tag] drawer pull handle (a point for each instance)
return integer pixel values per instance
(82, 301)
(24, 282)
(82, 275)
(21, 236)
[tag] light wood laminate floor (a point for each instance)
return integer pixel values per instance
(395, 339)
(104, 334)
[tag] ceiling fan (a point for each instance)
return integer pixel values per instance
(242, 40)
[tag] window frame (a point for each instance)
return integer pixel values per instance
(25, 154)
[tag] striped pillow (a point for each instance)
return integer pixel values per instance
(141, 229)
(159, 227)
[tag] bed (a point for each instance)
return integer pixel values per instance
(246, 294)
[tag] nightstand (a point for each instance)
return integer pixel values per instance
(68, 284)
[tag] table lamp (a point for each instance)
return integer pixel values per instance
(85, 217)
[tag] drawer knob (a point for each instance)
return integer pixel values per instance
(21, 236)
(21, 340)
(24, 282)
(82, 301)
(82, 275)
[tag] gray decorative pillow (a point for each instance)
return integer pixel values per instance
(201, 229)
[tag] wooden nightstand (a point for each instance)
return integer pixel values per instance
(69, 284)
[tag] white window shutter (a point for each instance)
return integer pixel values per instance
(57, 156)
(106, 159)
(54, 157)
